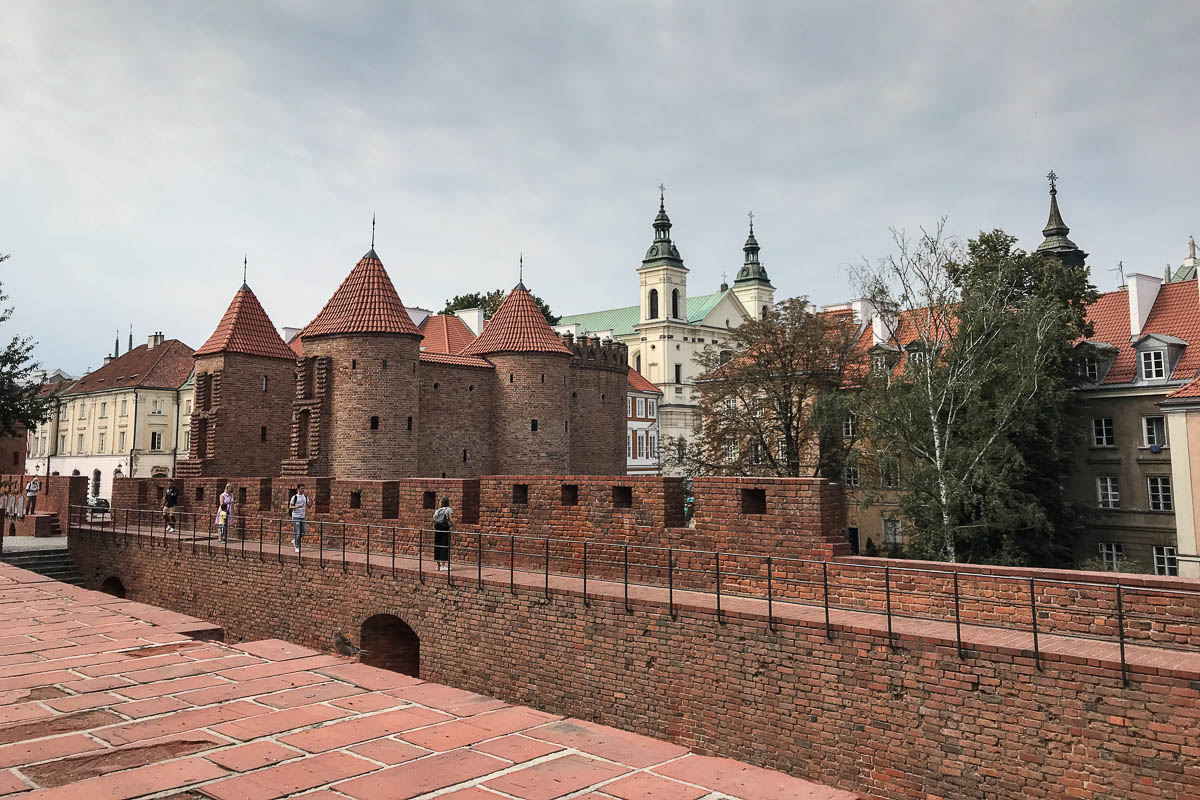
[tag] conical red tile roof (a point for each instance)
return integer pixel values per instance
(517, 327)
(246, 328)
(445, 333)
(366, 302)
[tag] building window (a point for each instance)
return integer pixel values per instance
(652, 409)
(1164, 560)
(653, 303)
(264, 383)
(187, 408)
(641, 445)
(1102, 432)
(1154, 364)
(62, 413)
(653, 446)
(103, 410)
(889, 472)
(374, 423)
(918, 358)
(79, 449)
(850, 473)
(638, 363)
(100, 443)
(675, 304)
(679, 373)
(891, 532)
(1107, 493)
(850, 426)
(731, 405)
(1154, 432)
(755, 452)
(879, 363)
(157, 406)
(62, 444)
(124, 410)
(629, 445)
(156, 440)
(641, 407)
(1159, 489)
(121, 441)
(1091, 369)
(630, 401)
(1112, 554)
(82, 412)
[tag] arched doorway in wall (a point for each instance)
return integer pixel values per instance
(112, 585)
(95, 483)
(390, 644)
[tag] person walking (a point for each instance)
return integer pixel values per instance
(299, 506)
(170, 500)
(225, 511)
(31, 495)
(441, 534)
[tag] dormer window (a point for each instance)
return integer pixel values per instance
(1154, 364)
(1091, 370)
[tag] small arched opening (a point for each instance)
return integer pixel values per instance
(389, 643)
(653, 310)
(675, 304)
(95, 483)
(112, 585)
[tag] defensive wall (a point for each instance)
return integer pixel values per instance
(58, 494)
(898, 679)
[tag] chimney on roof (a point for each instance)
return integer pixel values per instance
(882, 330)
(864, 311)
(154, 340)
(472, 318)
(1143, 289)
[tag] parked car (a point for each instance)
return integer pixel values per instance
(97, 507)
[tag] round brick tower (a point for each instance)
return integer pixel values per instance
(531, 397)
(373, 348)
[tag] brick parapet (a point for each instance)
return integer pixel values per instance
(58, 495)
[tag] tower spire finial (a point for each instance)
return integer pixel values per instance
(662, 197)
(245, 262)
(372, 231)
(521, 267)
(750, 214)
(1053, 178)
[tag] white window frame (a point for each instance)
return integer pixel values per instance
(1112, 554)
(850, 426)
(641, 444)
(1103, 432)
(652, 409)
(153, 441)
(1154, 364)
(1158, 490)
(630, 407)
(1165, 562)
(641, 408)
(653, 445)
(1091, 369)
(1108, 492)
(121, 441)
(730, 405)
(124, 409)
(101, 442)
(79, 441)
(891, 532)
(850, 474)
(103, 410)
(1152, 434)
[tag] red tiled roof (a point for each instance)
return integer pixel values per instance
(164, 367)
(459, 360)
(1176, 312)
(518, 326)
(246, 328)
(637, 383)
(445, 333)
(296, 346)
(366, 302)
(1187, 390)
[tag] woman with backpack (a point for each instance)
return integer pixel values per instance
(441, 534)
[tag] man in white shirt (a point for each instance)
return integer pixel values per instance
(31, 494)
(299, 506)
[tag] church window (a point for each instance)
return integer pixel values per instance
(653, 314)
(638, 363)
(679, 373)
(675, 303)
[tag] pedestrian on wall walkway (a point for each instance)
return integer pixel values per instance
(31, 495)
(225, 511)
(299, 506)
(170, 500)
(441, 534)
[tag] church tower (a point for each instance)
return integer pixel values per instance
(663, 275)
(1056, 244)
(752, 286)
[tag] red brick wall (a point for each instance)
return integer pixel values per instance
(360, 388)
(599, 378)
(529, 386)
(13, 450)
(58, 494)
(455, 417)
(915, 721)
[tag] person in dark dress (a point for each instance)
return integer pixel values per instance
(441, 534)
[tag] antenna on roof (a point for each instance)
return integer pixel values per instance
(1120, 268)
(372, 231)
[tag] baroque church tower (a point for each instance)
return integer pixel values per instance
(1056, 244)
(752, 286)
(663, 275)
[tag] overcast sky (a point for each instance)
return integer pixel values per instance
(144, 147)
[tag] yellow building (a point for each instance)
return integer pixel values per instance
(124, 417)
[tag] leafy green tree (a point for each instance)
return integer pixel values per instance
(768, 401)
(490, 301)
(972, 391)
(21, 407)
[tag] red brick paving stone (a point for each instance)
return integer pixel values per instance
(458, 702)
(174, 686)
(307, 695)
(127, 665)
(63, 771)
(547, 780)
(517, 748)
(389, 751)
(744, 781)
(275, 649)
(647, 786)
(470, 793)
(279, 721)
(134, 782)
(286, 779)
(361, 729)
(54, 725)
(82, 702)
(150, 708)
(40, 679)
(609, 743)
(22, 713)
(370, 678)
(279, 668)
(421, 776)
(180, 722)
(246, 757)
(10, 783)
(93, 684)
(21, 753)
(232, 691)
(190, 668)
(373, 701)
(469, 730)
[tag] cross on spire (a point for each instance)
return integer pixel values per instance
(662, 196)
(750, 214)
(1053, 178)
(372, 231)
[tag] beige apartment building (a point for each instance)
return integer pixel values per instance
(124, 417)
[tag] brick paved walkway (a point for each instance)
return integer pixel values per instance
(106, 698)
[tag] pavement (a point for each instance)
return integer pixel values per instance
(30, 544)
(108, 698)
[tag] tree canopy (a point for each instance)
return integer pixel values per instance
(490, 301)
(21, 407)
(768, 400)
(971, 392)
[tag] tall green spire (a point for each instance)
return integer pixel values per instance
(752, 270)
(662, 249)
(1056, 245)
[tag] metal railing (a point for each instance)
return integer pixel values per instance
(1113, 612)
